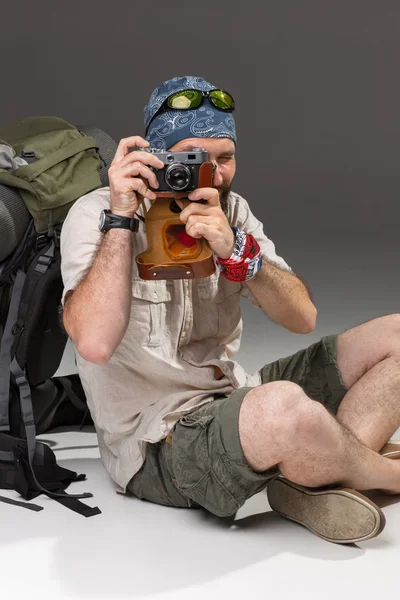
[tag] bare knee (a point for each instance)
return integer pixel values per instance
(273, 418)
(280, 425)
(281, 404)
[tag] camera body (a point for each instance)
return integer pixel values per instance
(181, 169)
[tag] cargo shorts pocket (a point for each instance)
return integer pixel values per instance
(198, 468)
(150, 312)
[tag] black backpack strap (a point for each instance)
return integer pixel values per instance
(5, 350)
(9, 457)
(78, 507)
(76, 401)
(14, 325)
(52, 407)
(30, 432)
(43, 262)
(40, 343)
(68, 391)
(63, 391)
(34, 507)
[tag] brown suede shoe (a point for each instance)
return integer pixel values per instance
(391, 450)
(339, 515)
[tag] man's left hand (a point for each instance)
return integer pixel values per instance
(209, 221)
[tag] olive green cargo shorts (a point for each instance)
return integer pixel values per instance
(201, 462)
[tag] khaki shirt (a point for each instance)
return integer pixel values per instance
(177, 350)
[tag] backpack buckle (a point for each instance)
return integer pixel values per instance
(29, 156)
(20, 380)
(43, 263)
(41, 241)
(17, 328)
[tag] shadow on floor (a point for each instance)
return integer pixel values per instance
(135, 548)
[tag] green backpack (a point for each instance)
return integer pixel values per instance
(61, 165)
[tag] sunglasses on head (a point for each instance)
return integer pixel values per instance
(190, 99)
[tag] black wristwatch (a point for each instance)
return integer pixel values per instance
(109, 220)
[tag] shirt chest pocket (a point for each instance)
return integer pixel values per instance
(216, 309)
(150, 320)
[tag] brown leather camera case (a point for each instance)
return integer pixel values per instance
(166, 257)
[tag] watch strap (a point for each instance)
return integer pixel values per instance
(120, 222)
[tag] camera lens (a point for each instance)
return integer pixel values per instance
(177, 176)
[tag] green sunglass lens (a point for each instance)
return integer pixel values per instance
(222, 99)
(185, 99)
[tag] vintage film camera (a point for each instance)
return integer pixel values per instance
(181, 171)
(171, 253)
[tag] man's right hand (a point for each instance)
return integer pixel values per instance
(130, 176)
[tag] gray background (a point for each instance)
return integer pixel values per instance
(317, 89)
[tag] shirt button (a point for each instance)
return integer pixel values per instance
(155, 295)
(183, 333)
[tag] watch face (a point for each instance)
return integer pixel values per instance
(102, 220)
(108, 221)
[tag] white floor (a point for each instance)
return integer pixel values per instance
(138, 550)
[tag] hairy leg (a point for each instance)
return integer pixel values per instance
(280, 425)
(368, 358)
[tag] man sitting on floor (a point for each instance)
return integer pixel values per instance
(180, 422)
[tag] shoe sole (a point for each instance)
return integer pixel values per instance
(391, 450)
(338, 515)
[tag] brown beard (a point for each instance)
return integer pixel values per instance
(224, 191)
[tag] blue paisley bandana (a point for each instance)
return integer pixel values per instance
(172, 126)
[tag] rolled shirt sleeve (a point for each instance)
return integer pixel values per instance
(80, 237)
(246, 221)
